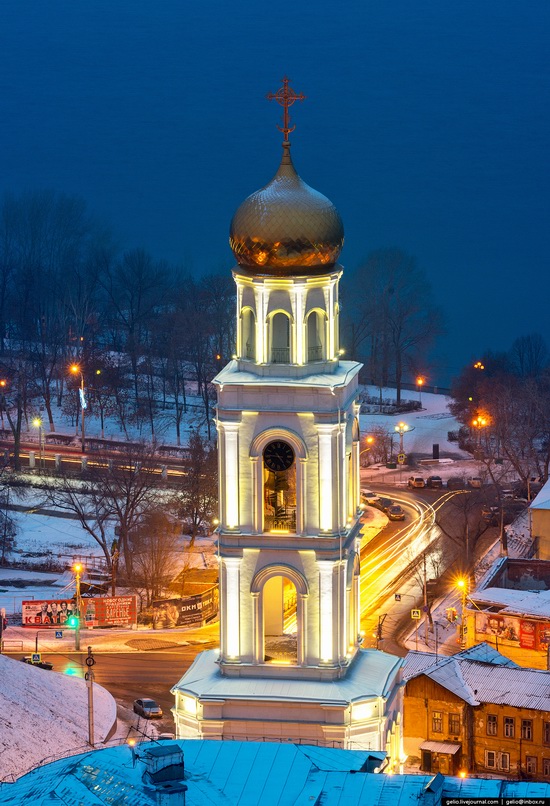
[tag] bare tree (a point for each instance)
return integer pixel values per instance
(197, 498)
(396, 319)
(156, 547)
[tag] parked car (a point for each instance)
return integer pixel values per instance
(369, 497)
(395, 513)
(435, 482)
(456, 483)
(382, 503)
(416, 481)
(147, 708)
(510, 511)
(42, 664)
(475, 482)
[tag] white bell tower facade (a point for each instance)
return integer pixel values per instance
(289, 483)
(289, 667)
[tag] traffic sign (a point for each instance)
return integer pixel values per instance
(59, 633)
(36, 657)
(90, 661)
(397, 597)
(416, 614)
(401, 458)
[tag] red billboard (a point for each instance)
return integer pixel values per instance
(47, 612)
(104, 611)
(109, 611)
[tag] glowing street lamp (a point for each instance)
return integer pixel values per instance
(75, 370)
(369, 441)
(478, 365)
(37, 422)
(462, 585)
(420, 381)
(401, 429)
(77, 568)
(479, 423)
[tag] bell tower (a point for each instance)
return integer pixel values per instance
(288, 436)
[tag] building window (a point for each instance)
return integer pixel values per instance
(531, 765)
(280, 339)
(527, 729)
(437, 721)
(491, 759)
(546, 733)
(546, 767)
(505, 761)
(454, 724)
(509, 727)
(492, 724)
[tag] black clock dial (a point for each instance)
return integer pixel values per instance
(278, 456)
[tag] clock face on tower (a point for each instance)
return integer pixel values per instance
(278, 456)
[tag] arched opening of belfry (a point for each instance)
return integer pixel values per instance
(280, 623)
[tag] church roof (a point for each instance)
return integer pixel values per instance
(372, 674)
(343, 372)
(287, 228)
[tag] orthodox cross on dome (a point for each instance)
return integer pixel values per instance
(285, 96)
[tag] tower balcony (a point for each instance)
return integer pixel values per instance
(280, 355)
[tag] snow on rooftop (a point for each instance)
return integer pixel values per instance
(514, 602)
(371, 674)
(245, 774)
(44, 714)
(542, 499)
(343, 371)
(477, 681)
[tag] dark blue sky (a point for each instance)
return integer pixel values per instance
(426, 123)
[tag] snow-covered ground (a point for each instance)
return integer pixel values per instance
(427, 427)
(44, 714)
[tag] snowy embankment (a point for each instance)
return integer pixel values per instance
(44, 715)
(429, 426)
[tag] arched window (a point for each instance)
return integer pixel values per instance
(316, 336)
(248, 334)
(279, 474)
(280, 338)
(280, 595)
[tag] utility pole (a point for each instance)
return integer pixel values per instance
(381, 620)
(77, 568)
(425, 602)
(90, 661)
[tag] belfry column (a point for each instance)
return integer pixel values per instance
(326, 492)
(231, 609)
(230, 461)
(326, 631)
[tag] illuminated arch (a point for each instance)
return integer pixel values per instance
(302, 592)
(256, 455)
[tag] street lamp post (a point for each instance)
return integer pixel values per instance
(75, 369)
(401, 429)
(77, 568)
(463, 586)
(37, 422)
(369, 440)
(420, 384)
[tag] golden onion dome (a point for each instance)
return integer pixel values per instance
(286, 228)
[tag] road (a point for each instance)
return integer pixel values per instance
(131, 675)
(386, 561)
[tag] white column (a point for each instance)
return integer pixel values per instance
(325, 477)
(232, 607)
(326, 568)
(231, 475)
(298, 308)
(355, 478)
(239, 321)
(343, 492)
(260, 294)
